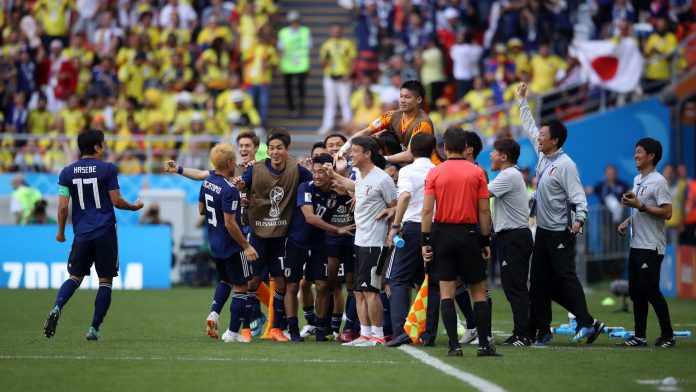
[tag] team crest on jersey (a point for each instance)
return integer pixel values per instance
(368, 189)
(341, 209)
(553, 170)
(307, 197)
(377, 123)
(331, 203)
(642, 191)
(276, 196)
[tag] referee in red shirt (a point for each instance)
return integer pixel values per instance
(454, 242)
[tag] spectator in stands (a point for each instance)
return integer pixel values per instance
(416, 35)
(545, 66)
(294, 44)
(218, 8)
(188, 19)
(449, 32)
(365, 111)
(500, 72)
(476, 98)
(516, 53)
(23, 199)
(16, 115)
(258, 72)
(52, 15)
(336, 55)
(681, 11)
(26, 72)
(39, 216)
(610, 190)
(152, 216)
(509, 23)
(431, 64)
(368, 34)
(660, 48)
(105, 39)
(466, 58)
(214, 65)
(622, 11)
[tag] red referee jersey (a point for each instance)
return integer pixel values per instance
(457, 185)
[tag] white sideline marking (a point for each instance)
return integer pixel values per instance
(189, 359)
(476, 382)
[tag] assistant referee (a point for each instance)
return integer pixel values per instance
(454, 241)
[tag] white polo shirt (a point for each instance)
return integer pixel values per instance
(412, 180)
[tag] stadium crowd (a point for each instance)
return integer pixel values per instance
(187, 68)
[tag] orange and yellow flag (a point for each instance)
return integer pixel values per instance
(415, 322)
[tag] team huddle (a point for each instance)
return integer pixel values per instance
(380, 212)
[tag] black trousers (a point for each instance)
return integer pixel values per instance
(405, 268)
(644, 287)
(553, 276)
(301, 77)
(514, 249)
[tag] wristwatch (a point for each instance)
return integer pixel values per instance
(642, 207)
(396, 226)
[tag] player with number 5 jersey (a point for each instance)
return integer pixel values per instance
(92, 184)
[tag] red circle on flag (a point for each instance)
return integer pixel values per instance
(605, 67)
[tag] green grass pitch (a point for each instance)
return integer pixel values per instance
(155, 341)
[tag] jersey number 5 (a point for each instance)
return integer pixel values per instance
(80, 194)
(213, 218)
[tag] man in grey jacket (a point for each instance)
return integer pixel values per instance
(560, 207)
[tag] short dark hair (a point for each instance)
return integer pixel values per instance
(415, 87)
(422, 145)
(473, 140)
(249, 135)
(280, 134)
(455, 140)
(338, 135)
(651, 146)
(557, 131)
(370, 144)
(322, 158)
(88, 139)
(389, 141)
(318, 145)
(509, 147)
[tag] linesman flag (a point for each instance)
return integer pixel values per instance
(415, 322)
(616, 66)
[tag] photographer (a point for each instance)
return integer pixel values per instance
(38, 214)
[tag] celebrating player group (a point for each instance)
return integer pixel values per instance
(380, 212)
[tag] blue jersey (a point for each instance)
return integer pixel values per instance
(89, 181)
(301, 232)
(219, 198)
(340, 216)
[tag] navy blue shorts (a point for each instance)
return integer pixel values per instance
(406, 264)
(345, 253)
(298, 260)
(234, 270)
(271, 256)
(101, 251)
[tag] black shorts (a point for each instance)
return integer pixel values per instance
(366, 260)
(101, 251)
(234, 270)
(345, 253)
(311, 261)
(271, 256)
(456, 253)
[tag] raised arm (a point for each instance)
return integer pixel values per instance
(193, 174)
(526, 115)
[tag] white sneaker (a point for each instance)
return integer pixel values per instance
(335, 335)
(232, 337)
(372, 342)
(307, 331)
(360, 340)
(211, 325)
(469, 336)
(475, 342)
(286, 333)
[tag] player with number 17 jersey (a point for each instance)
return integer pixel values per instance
(89, 182)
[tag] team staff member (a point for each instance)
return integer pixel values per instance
(407, 262)
(375, 195)
(404, 123)
(514, 241)
(651, 203)
(553, 263)
(272, 192)
(460, 236)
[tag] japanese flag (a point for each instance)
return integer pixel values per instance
(614, 66)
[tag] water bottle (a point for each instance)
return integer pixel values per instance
(682, 334)
(398, 241)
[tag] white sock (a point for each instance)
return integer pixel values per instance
(378, 332)
(366, 330)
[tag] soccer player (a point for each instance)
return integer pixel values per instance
(404, 123)
(92, 184)
(272, 192)
(460, 236)
(375, 199)
(407, 262)
(553, 273)
(219, 202)
(306, 246)
(651, 205)
(513, 241)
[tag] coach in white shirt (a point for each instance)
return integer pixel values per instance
(406, 264)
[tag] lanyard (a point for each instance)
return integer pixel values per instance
(546, 167)
(642, 180)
